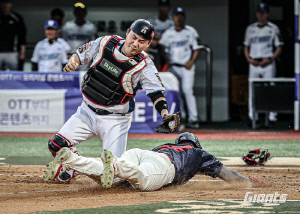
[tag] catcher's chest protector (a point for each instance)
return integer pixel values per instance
(108, 81)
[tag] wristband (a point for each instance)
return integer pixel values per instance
(270, 58)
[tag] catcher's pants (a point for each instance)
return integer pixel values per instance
(146, 170)
(186, 93)
(258, 72)
(85, 124)
(10, 59)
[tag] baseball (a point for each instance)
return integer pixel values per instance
(172, 124)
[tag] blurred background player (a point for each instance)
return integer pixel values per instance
(50, 54)
(182, 44)
(58, 15)
(263, 44)
(79, 31)
(12, 38)
(161, 23)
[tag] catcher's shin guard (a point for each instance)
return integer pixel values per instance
(56, 143)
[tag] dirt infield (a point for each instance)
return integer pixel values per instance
(289, 135)
(23, 190)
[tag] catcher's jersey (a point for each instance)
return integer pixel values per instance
(50, 57)
(262, 40)
(147, 78)
(180, 44)
(77, 35)
(161, 26)
(189, 160)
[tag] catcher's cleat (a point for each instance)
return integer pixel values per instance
(54, 169)
(108, 173)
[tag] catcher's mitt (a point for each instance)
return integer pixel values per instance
(253, 154)
(170, 123)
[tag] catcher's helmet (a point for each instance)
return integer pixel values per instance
(143, 28)
(261, 154)
(188, 137)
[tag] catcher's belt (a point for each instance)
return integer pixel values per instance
(256, 156)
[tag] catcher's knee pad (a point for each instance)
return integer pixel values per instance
(56, 143)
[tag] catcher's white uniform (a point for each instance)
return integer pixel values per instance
(261, 41)
(50, 57)
(180, 46)
(112, 128)
(77, 35)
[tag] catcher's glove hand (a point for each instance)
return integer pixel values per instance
(170, 123)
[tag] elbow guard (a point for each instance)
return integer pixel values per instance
(159, 101)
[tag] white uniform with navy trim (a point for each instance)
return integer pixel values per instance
(77, 35)
(50, 57)
(261, 41)
(180, 46)
(112, 128)
(159, 27)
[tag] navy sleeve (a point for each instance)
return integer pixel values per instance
(189, 161)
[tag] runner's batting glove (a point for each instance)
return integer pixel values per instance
(170, 123)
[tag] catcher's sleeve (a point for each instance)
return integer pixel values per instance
(159, 101)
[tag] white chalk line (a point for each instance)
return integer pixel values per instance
(30, 176)
(207, 180)
(256, 168)
(44, 191)
(11, 193)
(228, 199)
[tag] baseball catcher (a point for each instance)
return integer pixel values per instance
(167, 164)
(120, 69)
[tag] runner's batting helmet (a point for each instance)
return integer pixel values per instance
(188, 137)
(143, 28)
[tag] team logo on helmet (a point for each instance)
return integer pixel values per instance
(144, 30)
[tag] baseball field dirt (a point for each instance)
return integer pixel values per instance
(23, 189)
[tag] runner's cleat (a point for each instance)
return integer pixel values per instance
(108, 173)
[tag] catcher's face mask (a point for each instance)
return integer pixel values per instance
(253, 155)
